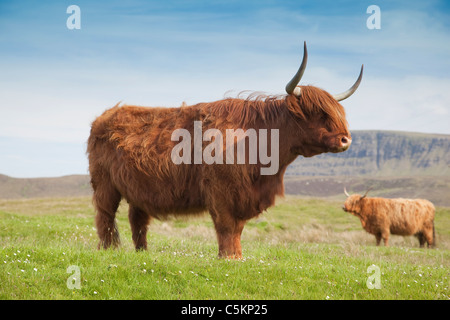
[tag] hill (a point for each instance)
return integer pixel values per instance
(382, 154)
(66, 186)
(434, 188)
(393, 164)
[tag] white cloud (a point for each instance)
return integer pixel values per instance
(408, 104)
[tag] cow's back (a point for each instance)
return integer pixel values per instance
(408, 216)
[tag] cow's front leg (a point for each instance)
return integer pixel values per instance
(378, 238)
(228, 230)
(226, 247)
(239, 226)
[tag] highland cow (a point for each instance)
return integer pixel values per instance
(131, 152)
(383, 217)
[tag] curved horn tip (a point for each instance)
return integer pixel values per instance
(365, 194)
(292, 84)
(349, 92)
(345, 192)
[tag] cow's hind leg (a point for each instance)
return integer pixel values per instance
(106, 200)
(139, 221)
(429, 236)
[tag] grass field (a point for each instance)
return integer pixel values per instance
(300, 249)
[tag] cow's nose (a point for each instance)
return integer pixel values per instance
(345, 142)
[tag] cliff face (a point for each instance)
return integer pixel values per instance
(382, 153)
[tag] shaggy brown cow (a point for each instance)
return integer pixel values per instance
(131, 152)
(382, 217)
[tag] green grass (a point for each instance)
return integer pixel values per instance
(300, 249)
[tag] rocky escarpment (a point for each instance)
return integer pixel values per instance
(382, 153)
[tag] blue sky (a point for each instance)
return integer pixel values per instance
(55, 81)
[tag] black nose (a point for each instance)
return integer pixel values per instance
(345, 142)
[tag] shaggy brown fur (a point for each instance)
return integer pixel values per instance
(130, 148)
(382, 217)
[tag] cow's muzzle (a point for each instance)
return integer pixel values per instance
(342, 144)
(345, 143)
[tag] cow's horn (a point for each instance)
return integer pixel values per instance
(291, 87)
(346, 193)
(365, 194)
(349, 92)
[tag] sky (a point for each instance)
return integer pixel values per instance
(54, 81)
